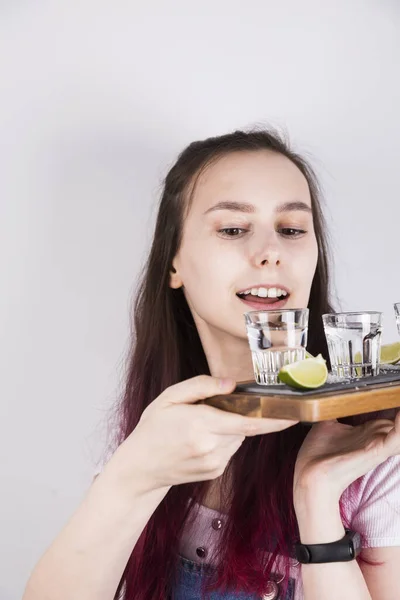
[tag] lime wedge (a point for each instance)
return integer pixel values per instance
(358, 360)
(306, 374)
(390, 353)
(308, 355)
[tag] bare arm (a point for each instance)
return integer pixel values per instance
(382, 579)
(174, 443)
(334, 455)
(88, 557)
(320, 522)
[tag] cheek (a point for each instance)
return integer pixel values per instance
(309, 272)
(304, 262)
(314, 256)
(312, 259)
(208, 277)
(201, 274)
(207, 265)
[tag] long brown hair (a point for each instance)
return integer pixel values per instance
(166, 348)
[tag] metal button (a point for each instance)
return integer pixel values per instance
(216, 524)
(201, 552)
(272, 591)
(294, 562)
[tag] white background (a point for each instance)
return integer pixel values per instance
(96, 100)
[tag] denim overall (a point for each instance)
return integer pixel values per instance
(190, 576)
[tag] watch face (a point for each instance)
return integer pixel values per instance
(356, 543)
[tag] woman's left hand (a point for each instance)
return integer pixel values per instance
(333, 455)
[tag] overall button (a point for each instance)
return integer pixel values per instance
(201, 552)
(216, 524)
(272, 591)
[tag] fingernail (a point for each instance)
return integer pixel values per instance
(226, 383)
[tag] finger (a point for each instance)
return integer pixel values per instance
(227, 423)
(378, 424)
(381, 427)
(392, 442)
(197, 388)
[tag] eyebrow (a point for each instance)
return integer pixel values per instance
(244, 207)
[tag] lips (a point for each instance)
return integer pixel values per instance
(263, 303)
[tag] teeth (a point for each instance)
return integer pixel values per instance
(266, 293)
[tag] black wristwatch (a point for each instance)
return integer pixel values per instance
(348, 548)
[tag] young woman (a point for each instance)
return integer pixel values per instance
(199, 500)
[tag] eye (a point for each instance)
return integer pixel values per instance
(232, 232)
(291, 232)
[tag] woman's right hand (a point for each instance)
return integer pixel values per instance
(177, 441)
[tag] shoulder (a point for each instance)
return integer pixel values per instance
(372, 505)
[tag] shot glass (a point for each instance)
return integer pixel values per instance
(276, 338)
(397, 313)
(354, 343)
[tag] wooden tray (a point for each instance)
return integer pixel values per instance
(331, 401)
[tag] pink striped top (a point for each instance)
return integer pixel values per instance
(371, 505)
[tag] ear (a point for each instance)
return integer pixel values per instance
(175, 280)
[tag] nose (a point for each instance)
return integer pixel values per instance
(267, 254)
(271, 257)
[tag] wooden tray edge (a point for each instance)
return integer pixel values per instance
(312, 409)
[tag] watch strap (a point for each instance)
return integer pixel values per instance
(342, 550)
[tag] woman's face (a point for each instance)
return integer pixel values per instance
(249, 226)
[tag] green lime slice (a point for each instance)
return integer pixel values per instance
(358, 360)
(390, 353)
(306, 374)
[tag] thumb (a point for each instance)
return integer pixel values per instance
(197, 388)
(392, 442)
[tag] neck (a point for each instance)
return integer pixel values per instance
(227, 356)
